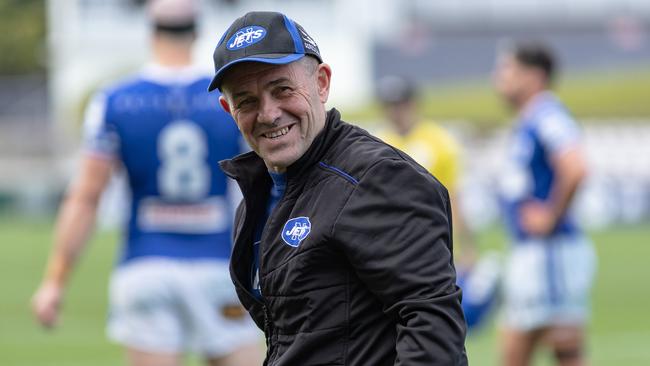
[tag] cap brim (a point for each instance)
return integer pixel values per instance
(274, 59)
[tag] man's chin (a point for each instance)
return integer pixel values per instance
(281, 156)
(278, 164)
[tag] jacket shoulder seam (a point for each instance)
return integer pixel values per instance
(339, 172)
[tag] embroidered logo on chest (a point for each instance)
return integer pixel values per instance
(296, 230)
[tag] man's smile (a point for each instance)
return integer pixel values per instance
(278, 132)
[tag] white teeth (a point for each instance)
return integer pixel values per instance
(278, 133)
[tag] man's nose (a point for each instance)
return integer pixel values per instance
(269, 111)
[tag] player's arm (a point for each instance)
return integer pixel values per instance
(74, 225)
(561, 139)
(76, 216)
(571, 169)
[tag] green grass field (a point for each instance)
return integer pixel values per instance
(619, 332)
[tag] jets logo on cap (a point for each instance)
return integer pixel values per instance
(245, 37)
(296, 230)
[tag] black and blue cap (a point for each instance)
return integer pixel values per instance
(261, 36)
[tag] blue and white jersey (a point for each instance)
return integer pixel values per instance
(169, 133)
(543, 130)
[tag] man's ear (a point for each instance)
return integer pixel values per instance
(324, 75)
(224, 104)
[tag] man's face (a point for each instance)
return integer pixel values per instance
(279, 109)
(510, 79)
(402, 115)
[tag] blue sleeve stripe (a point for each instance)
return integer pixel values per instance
(343, 174)
(297, 40)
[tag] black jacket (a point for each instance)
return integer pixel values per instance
(368, 278)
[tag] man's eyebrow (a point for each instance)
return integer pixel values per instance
(270, 84)
(277, 81)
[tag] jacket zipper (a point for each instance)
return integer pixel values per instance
(268, 332)
(268, 324)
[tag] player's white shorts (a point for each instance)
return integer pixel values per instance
(171, 306)
(548, 282)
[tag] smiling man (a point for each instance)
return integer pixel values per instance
(342, 243)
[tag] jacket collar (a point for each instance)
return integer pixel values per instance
(249, 168)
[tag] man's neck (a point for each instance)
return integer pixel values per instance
(277, 169)
(171, 53)
(529, 100)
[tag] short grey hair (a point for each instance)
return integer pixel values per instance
(310, 64)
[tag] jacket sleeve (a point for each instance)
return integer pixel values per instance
(395, 230)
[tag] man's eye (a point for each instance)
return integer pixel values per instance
(282, 90)
(244, 103)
